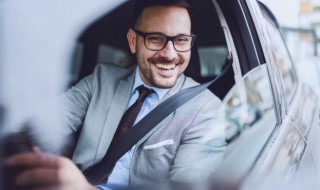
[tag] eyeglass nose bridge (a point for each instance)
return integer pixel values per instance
(168, 38)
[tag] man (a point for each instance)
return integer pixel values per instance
(187, 145)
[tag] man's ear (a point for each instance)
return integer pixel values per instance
(132, 40)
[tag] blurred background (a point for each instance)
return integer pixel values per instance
(302, 18)
(300, 24)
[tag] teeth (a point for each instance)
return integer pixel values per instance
(165, 66)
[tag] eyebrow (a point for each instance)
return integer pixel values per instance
(161, 33)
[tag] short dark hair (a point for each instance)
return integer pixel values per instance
(140, 5)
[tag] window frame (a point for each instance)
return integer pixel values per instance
(269, 17)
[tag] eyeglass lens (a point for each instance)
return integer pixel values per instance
(158, 42)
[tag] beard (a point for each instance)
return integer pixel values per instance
(160, 72)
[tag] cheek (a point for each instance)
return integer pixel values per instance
(187, 56)
(141, 55)
(186, 60)
(145, 56)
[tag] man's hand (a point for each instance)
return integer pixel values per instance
(46, 171)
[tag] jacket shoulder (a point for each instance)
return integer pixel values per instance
(206, 94)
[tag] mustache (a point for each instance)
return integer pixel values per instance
(165, 60)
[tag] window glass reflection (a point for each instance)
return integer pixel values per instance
(282, 59)
(248, 103)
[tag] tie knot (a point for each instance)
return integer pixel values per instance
(143, 92)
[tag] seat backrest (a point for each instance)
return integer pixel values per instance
(193, 69)
(222, 84)
(225, 82)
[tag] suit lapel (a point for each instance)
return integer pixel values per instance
(117, 108)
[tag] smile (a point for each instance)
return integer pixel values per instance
(165, 66)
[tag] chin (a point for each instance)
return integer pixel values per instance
(164, 83)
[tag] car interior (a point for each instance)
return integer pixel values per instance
(249, 82)
(104, 41)
(247, 103)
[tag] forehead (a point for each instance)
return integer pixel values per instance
(170, 20)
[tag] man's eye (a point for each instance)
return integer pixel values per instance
(156, 38)
(182, 39)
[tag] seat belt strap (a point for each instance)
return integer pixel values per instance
(98, 172)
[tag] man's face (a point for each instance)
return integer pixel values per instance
(161, 68)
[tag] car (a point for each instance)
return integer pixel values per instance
(272, 116)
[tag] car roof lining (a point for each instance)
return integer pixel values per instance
(112, 28)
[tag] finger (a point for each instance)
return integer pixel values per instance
(37, 177)
(32, 160)
(36, 150)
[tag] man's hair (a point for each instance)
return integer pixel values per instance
(140, 5)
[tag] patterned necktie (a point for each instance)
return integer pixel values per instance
(131, 114)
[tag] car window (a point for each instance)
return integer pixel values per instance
(212, 59)
(251, 118)
(249, 104)
(109, 54)
(211, 45)
(282, 59)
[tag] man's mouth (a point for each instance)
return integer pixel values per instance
(165, 66)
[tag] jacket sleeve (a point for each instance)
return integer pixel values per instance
(74, 104)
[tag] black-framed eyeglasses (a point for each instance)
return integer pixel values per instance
(157, 42)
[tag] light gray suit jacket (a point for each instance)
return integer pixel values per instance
(187, 145)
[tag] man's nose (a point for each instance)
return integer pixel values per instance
(168, 51)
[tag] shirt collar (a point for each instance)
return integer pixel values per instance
(137, 82)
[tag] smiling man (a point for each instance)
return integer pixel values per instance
(162, 59)
(186, 146)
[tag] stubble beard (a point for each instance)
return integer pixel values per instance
(154, 79)
(150, 76)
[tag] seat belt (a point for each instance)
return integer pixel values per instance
(98, 172)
